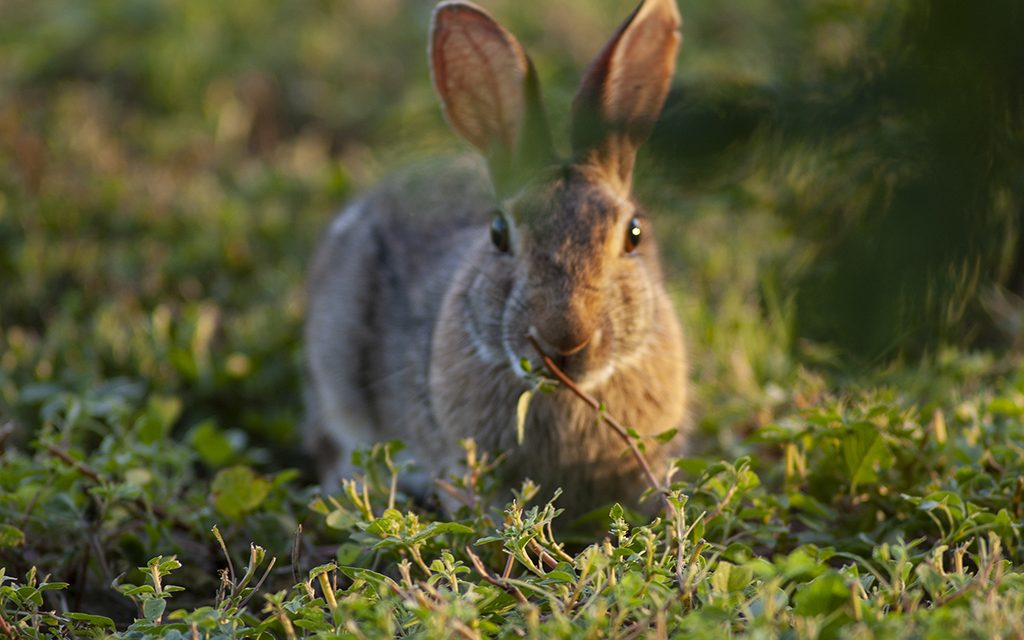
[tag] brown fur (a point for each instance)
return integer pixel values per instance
(417, 322)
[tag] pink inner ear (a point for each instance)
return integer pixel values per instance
(641, 67)
(623, 92)
(479, 71)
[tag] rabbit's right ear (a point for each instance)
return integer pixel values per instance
(490, 91)
(624, 90)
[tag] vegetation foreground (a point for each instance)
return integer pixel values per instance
(867, 517)
(165, 168)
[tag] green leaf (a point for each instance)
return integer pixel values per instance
(822, 596)
(322, 569)
(142, 589)
(238, 490)
(166, 566)
(161, 414)
(730, 578)
(933, 582)
(153, 608)
(11, 536)
(1009, 407)
(863, 450)
(366, 575)
(616, 511)
(799, 565)
(308, 624)
(666, 436)
(348, 553)
(437, 528)
(342, 519)
(692, 466)
(29, 594)
(559, 577)
(522, 408)
(96, 621)
(212, 444)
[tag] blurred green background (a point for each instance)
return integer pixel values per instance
(839, 184)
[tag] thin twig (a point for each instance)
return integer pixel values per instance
(720, 508)
(543, 554)
(638, 629)
(79, 466)
(557, 548)
(691, 572)
(607, 419)
(501, 583)
(259, 584)
(507, 573)
(6, 628)
(227, 556)
(461, 497)
(296, 553)
(93, 475)
(464, 630)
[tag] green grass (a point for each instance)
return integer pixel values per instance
(165, 169)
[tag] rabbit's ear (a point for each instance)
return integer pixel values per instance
(624, 90)
(489, 90)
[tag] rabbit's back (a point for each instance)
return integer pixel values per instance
(375, 291)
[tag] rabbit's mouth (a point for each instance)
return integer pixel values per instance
(587, 364)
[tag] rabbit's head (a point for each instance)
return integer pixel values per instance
(571, 260)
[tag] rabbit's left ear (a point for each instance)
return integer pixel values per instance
(624, 90)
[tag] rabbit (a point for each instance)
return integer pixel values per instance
(422, 294)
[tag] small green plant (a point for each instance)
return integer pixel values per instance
(152, 596)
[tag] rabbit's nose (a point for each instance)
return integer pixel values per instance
(552, 349)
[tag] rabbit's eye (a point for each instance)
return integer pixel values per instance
(500, 233)
(633, 233)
